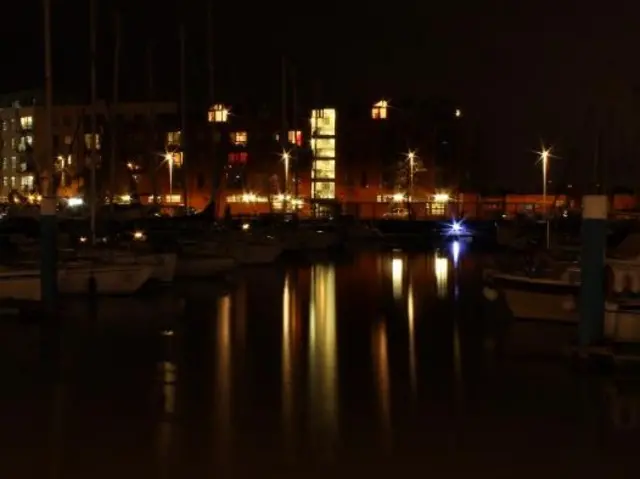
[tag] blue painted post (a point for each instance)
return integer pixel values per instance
(594, 244)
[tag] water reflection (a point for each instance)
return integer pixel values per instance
(397, 270)
(412, 340)
(220, 408)
(441, 270)
(380, 359)
(323, 354)
(290, 327)
(168, 376)
(222, 415)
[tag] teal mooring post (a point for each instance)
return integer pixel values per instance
(48, 252)
(594, 245)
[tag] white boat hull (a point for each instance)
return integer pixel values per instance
(103, 279)
(535, 299)
(203, 266)
(256, 253)
(243, 251)
(77, 279)
(163, 266)
(20, 285)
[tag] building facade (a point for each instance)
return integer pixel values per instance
(127, 141)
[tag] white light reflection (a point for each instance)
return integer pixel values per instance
(412, 339)
(323, 357)
(169, 375)
(455, 252)
(290, 315)
(380, 359)
(441, 269)
(397, 269)
(223, 375)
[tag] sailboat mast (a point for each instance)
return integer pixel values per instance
(284, 134)
(151, 125)
(214, 169)
(49, 229)
(114, 110)
(183, 106)
(94, 125)
(294, 125)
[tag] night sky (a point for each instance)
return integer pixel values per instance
(522, 71)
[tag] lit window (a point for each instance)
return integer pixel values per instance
(324, 170)
(323, 147)
(324, 190)
(323, 122)
(175, 158)
(218, 114)
(68, 140)
(88, 143)
(14, 163)
(25, 142)
(237, 157)
(379, 110)
(5, 164)
(5, 125)
(26, 182)
(13, 181)
(295, 137)
(14, 143)
(26, 122)
(174, 138)
(239, 138)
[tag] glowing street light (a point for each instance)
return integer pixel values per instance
(545, 154)
(411, 156)
(168, 157)
(286, 158)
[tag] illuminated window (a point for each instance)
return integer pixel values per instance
(324, 190)
(14, 163)
(323, 147)
(26, 182)
(379, 110)
(176, 159)
(25, 142)
(295, 137)
(237, 157)
(68, 139)
(218, 114)
(239, 138)
(323, 122)
(324, 170)
(5, 125)
(5, 164)
(26, 122)
(88, 143)
(174, 138)
(14, 143)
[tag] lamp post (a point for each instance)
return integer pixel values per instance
(411, 156)
(168, 157)
(544, 158)
(286, 158)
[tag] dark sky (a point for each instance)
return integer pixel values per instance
(523, 71)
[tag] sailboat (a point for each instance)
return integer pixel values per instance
(98, 276)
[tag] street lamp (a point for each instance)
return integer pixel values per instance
(286, 158)
(411, 156)
(545, 154)
(168, 157)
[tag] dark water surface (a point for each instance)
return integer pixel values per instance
(373, 366)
